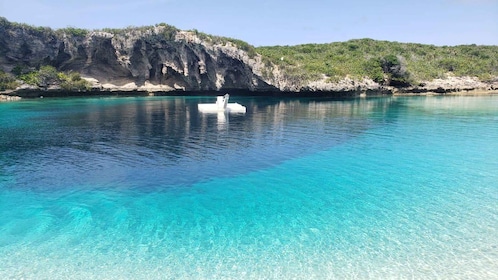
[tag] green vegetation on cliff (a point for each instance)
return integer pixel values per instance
(7, 81)
(168, 31)
(77, 32)
(48, 76)
(248, 48)
(44, 77)
(35, 29)
(386, 62)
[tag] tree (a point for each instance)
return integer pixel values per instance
(47, 76)
(7, 81)
(374, 69)
(397, 74)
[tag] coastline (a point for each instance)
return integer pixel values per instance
(15, 95)
(346, 88)
(474, 92)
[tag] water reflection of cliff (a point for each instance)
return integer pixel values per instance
(166, 138)
(273, 129)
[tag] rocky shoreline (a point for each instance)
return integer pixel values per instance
(31, 94)
(6, 97)
(346, 88)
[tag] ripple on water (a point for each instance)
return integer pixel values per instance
(379, 188)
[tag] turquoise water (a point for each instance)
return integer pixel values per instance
(149, 188)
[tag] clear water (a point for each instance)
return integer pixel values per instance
(148, 188)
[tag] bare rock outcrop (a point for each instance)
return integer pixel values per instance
(354, 87)
(451, 85)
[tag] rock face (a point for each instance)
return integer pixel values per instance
(145, 58)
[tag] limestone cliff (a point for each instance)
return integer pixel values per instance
(152, 58)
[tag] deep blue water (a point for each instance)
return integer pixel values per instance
(149, 188)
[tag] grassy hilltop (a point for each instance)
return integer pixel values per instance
(391, 63)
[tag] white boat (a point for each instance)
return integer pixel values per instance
(221, 105)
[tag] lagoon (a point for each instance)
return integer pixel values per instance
(296, 188)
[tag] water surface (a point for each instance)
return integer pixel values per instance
(149, 188)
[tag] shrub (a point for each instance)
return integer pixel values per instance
(249, 49)
(373, 70)
(169, 31)
(31, 78)
(48, 75)
(73, 82)
(7, 81)
(78, 32)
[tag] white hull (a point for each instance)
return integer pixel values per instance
(221, 105)
(213, 108)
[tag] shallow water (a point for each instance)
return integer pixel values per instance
(149, 188)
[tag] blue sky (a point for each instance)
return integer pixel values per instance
(279, 22)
